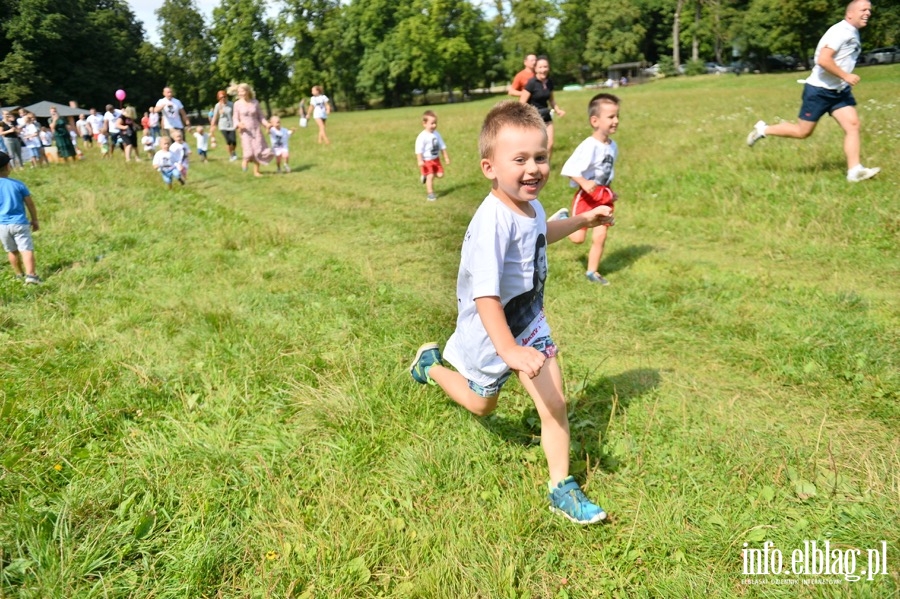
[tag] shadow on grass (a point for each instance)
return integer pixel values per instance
(622, 258)
(442, 191)
(593, 402)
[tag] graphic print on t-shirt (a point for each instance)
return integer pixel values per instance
(522, 310)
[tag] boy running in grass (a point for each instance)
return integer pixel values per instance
(162, 162)
(501, 327)
(590, 169)
(279, 137)
(202, 140)
(180, 152)
(15, 230)
(429, 146)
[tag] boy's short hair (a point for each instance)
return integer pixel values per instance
(599, 100)
(428, 114)
(165, 138)
(507, 114)
(4, 159)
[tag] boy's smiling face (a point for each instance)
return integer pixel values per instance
(606, 122)
(519, 167)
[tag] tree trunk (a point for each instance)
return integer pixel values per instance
(695, 45)
(676, 34)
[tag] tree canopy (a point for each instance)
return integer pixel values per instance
(383, 51)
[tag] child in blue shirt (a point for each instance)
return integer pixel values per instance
(15, 229)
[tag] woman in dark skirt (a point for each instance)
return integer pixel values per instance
(64, 148)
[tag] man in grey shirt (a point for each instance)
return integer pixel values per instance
(223, 120)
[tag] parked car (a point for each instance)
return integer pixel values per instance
(881, 56)
(714, 68)
(781, 62)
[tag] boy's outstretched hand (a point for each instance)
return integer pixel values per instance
(601, 215)
(524, 359)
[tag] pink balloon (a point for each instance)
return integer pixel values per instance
(120, 94)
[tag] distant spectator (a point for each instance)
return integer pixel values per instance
(539, 93)
(95, 122)
(9, 129)
(111, 126)
(84, 130)
(60, 128)
(523, 76)
(127, 125)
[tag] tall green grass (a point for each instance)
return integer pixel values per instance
(208, 396)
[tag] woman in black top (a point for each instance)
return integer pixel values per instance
(539, 93)
(128, 132)
(10, 132)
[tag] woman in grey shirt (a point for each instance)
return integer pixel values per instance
(223, 120)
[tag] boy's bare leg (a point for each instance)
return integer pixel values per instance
(13, 258)
(546, 391)
(456, 386)
(596, 252)
(28, 262)
(578, 236)
(429, 183)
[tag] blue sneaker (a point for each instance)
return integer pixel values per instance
(596, 277)
(427, 356)
(568, 499)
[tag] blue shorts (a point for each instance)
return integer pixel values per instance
(544, 345)
(819, 100)
(169, 174)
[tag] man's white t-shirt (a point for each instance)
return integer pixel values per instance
(504, 255)
(96, 123)
(429, 145)
(593, 160)
(843, 38)
(111, 119)
(171, 113)
(82, 126)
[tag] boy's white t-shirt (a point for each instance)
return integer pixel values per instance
(202, 141)
(504, 255)
(279, 137)
(593, 160)
(180, 152)
(429, 145)
(163, 159)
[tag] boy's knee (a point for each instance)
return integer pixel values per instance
(440, 175)
(486, 407)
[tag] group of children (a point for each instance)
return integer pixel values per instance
(172, 157)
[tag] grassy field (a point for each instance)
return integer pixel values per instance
(208, 397)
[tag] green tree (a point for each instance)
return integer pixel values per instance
(312, 29)
(570, 42)
(188, 52)
(64, 50)
(614, 35)
(526, 31)
(248, 49)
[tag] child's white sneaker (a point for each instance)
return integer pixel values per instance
(860, 173)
